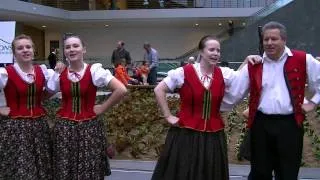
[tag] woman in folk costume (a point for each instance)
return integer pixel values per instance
(79, 139)
(195, 147)
(24, 143)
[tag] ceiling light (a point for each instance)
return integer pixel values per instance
(44, 26)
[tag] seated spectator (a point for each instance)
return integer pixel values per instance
(144, 71)
(191, 60)
(136, 74)
(121, 74)
(183, 63)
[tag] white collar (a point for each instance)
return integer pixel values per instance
(286, 51)
(19, 70)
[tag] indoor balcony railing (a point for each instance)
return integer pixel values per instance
(80, 5)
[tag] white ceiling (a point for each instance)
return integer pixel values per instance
(27, 16)
(54, 23)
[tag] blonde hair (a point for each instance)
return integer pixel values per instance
(19, 37)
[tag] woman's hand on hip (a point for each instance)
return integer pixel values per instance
(98, 109)
(173, 120)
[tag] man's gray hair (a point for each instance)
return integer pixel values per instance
(276, 25)
(147, 44)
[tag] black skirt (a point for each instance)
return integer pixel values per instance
(79, 150)
(25, 150)
(193, 155)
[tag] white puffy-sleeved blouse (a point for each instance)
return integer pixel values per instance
(100, 77)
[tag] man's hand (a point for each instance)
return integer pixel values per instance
(4, 111)
(308, 107)
(254, 59)
(245, 113)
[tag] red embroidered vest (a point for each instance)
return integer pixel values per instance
(295, 77)
(24, 99)
(78, 98)
(200, 108)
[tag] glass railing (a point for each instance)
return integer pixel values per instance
(222, 35)
(79, 5)
(270, 8)
(267, 10)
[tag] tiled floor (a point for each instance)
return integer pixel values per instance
(142, 170)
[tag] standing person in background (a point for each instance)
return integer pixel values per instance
(152, 57)
(53, 58)
(79, 139)
(25, 152)
(195, 147)
(119, 54)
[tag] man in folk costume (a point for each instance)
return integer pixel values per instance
(276, 105)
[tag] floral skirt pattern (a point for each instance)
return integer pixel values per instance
(193, 155)
(79, 150)
(25, 151)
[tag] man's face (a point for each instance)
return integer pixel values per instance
(273, 43)
(146, 48)
(119, 45)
